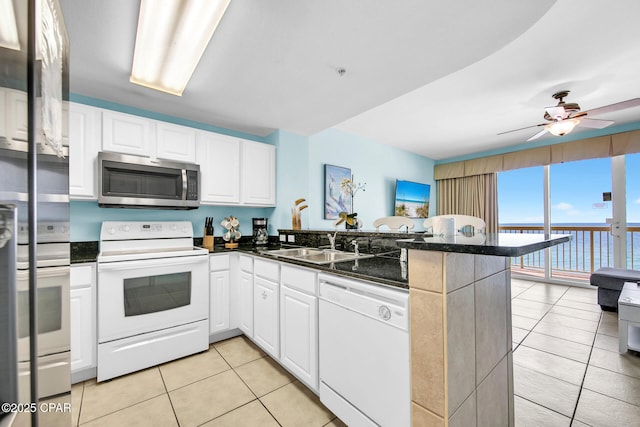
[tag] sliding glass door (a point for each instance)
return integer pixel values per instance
(596, 201)
(521, 207)
(580, 206)
(631, 178)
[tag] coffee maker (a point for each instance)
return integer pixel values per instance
(260, 234)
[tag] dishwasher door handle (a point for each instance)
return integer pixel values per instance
(396, 298)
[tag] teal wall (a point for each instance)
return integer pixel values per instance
(87, 217)
(300, 174)
(292, 176)
(376, 164)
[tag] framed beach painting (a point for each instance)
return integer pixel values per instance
(335, 201)
(412, 199)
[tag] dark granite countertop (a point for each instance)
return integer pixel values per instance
(386, 269)
(499, 244)
(83, 252)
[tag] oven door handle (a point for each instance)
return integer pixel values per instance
(158, 262)
(44, 272)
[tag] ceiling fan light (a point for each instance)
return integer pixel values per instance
(561, 127)
(171, 38)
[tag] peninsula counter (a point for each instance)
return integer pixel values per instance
(461, 345)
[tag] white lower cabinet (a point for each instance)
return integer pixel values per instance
(245, 295)
(266, 315)
(299, 335)
(219, 301)
(299, 323)
(83, 316)
(266, 305)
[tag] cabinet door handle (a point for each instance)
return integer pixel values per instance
(264, 295)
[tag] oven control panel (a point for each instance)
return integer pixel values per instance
(130, 230)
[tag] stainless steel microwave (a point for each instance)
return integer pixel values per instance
(141, 182)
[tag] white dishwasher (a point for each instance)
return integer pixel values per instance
(364, 352)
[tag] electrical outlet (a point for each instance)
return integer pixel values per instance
(283, 237)
(291, 238)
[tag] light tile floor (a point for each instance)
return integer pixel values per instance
(567, 369)
(232, 384)
(567, 372)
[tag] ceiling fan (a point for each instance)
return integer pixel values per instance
(563, 117)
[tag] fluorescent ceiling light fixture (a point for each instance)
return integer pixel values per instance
(8, 28)
(172, 36)
(561, 127)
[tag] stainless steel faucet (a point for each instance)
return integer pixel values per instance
(332, 240)
(355, 247)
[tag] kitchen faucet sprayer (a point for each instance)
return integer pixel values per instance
(332, 240)
(354, 242)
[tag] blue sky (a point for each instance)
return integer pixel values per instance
(576, 192)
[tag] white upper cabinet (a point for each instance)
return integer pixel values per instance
(258, 173)
(219, 158)
(14, 116)
(84, 144)
(236, 171)
(3, 116)
(175, 142)
(124, 133)
(17, 115)
(233, 171)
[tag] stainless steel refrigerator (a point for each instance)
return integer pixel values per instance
(35, 379)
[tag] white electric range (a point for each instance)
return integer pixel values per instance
(153, 295)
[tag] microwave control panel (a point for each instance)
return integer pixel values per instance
(192, 185)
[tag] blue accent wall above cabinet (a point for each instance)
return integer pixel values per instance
(87, 217)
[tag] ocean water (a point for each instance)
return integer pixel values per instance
(585, 246)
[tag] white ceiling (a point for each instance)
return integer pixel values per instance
(440, 79)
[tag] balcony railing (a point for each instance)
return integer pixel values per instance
(590, 248)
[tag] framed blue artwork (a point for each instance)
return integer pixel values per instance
(335, 200)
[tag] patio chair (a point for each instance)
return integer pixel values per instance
(463, 223)
(395, 223)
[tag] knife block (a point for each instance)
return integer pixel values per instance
(207, 242)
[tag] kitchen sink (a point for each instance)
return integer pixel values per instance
(318, 256)
(330, 256)
(295, 252)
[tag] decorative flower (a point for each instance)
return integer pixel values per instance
(350, 188)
